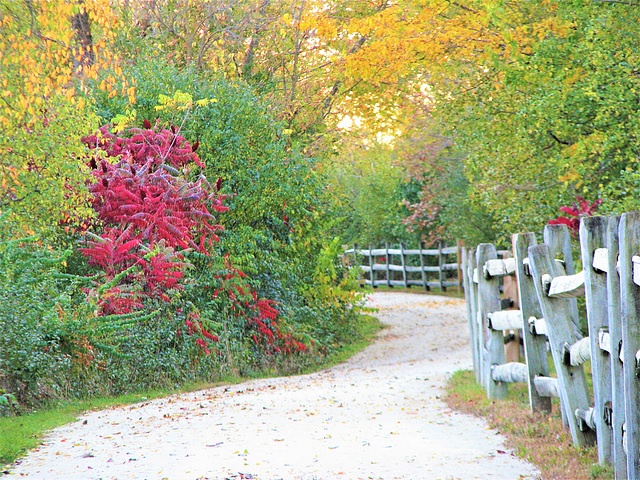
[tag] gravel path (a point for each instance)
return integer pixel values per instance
(378, 416)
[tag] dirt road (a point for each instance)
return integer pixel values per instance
(378, 416)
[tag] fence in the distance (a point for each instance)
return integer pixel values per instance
(548, 318)
(398, 266)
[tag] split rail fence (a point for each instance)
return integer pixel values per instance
(402, 267)
(548, 318)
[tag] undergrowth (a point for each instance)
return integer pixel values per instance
(18, 434)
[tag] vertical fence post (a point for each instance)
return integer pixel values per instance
(535, 346)
(460, 245)
(476, 336)
(562, 328)
(593, 231)
(470, 310)
(629, 233)
(615, 340)
(404, 265)
(386, 256)
(422, 272)
(372, 275)
(559, 240)
(489, 302)
(440, 265)
(356, 262)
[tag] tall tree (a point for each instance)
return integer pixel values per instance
(45, 67)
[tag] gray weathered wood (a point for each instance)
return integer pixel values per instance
(593, 236)
(562, 329)
(601, 260)
(506, 320)
(388, 267)
(559, 240)
(537, 326)
(468, 293)
(403, 259)
(629, 236)
(535, 346)
(372, 275)
(580, 352)
(604, 340)
(488, 302)
(473, 299)
(440, 264)
(567, 286)
(546, 387)
(423, 274)
(636, 269)
(499, 267)
(459, 246)
(511, 372)
(386, 257)
(587, 418)
(615, 341)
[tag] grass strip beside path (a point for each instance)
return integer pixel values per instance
(19, 434)
(540, 439)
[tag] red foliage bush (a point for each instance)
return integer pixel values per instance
(582, 208)
(147, 211)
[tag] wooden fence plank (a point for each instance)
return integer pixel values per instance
(615, 341)
(464, 264)
(535, 345)
(386, 258)
(506, 320)
(423, 274)
(562, 329)
(510, 372)
(601, 260)
(372, 275)
(493, 341)
(567, 286)
(629, 235)
(500, 267)
(546, 387)
(459, 247)
(593, 236)
(404, 268)
(559, 240)
(579, 352)
(403, 259)
(440, 264)
(472, 298)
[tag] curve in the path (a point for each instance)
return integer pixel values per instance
(378, 416)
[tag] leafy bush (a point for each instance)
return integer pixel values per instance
(275, 227)
(42, 321)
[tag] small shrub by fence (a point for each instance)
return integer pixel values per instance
(398, 266)
(548, 316)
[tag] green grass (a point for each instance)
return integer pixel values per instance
(21, 433)
(451, 292)
(537, 438)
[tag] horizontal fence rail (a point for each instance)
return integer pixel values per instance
(404, 267)
(548, 320)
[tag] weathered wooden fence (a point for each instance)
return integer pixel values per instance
(402, 267)
(548, 316)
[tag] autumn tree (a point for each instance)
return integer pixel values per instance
(43, 112)
(291, 52)
(537, 98)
